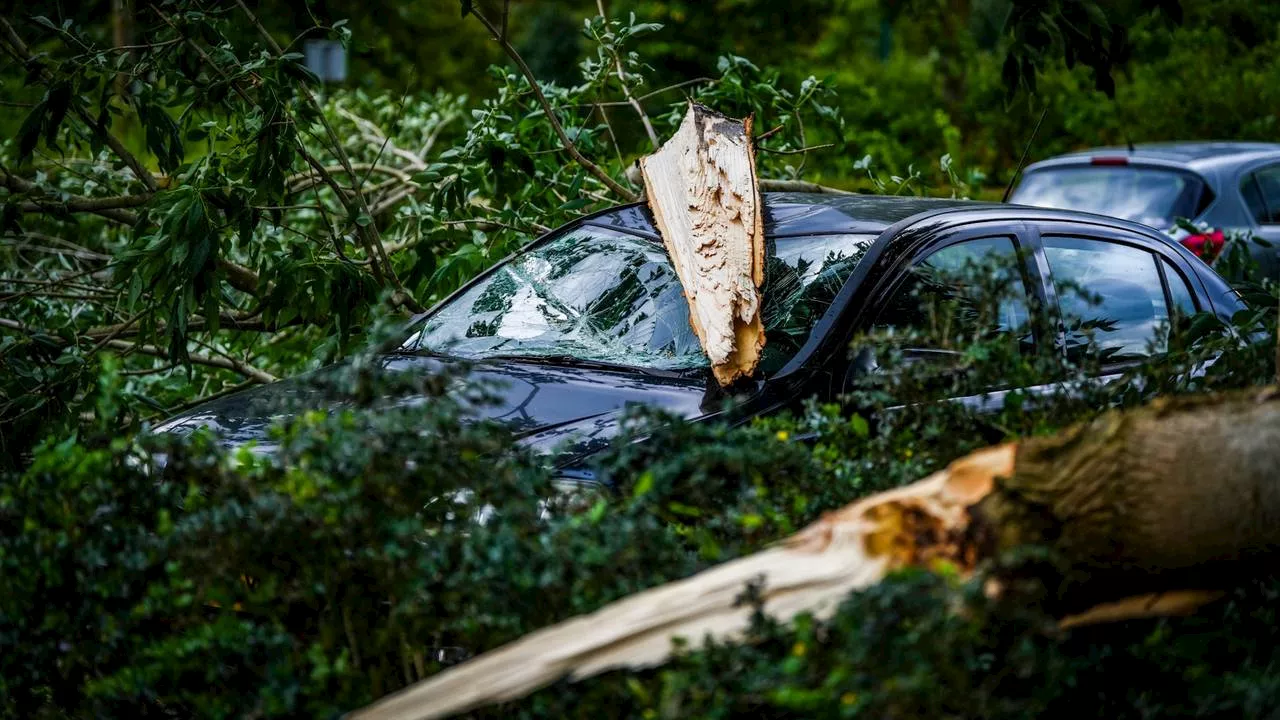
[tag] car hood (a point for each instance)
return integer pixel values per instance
(564, 411)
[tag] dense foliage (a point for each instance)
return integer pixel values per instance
(190, 212)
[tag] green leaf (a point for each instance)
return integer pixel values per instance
(1096, 15)
(575, 204)
(58, 100)
(859, 425)
(29, 132)
(643, 485)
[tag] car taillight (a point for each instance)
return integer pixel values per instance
(1207, 245)
(1108, 160)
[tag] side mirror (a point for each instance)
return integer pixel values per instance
(862, 363)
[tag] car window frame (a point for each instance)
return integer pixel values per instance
(1115, 236)
(899, 249)
(889, 271)
(1250, 179)
(1030, 275)
(1272, 211)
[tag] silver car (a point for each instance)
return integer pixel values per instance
(1225, 186)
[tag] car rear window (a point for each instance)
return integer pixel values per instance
(1149, 195)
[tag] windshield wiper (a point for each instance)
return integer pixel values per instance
(577, 362)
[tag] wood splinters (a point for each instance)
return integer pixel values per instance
(702, 187)
(1137, 607)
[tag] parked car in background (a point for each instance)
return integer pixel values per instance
(591, 317)
(1226, 186)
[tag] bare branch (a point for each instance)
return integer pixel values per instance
(112, 208)
(374, 133)
(769, 133)
(767, 185)
(196, 359)
(116, 332)
(245, 322)
(479, 224)
(581, 159)
(614, 138)
(797, 151)
(626, 89)
(659, 91)
(302, 182)
(53, 282)
(59, 246)
(224, 363)
(203, 399)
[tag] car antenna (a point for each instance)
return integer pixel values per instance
(1025, 151)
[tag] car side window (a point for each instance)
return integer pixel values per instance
(1184, 301)
(1111, 294)
(942, 296)
(1253, 199)
(1261, 190)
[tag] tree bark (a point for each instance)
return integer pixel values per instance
(701, 185)
(1153, 510)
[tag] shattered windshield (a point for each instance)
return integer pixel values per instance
(600, 295)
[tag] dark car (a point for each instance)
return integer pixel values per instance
(1226, 186)
(591, 317)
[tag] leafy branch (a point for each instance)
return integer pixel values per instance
(595, 170)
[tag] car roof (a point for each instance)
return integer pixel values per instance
(787, 214)
(1194, 155)
(790, 214)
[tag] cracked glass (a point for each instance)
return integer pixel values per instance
(601, 295)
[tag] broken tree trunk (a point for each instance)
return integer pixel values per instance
(701, 186)
(1141, 504)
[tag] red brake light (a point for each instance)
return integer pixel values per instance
(1206, 246)
(1108, 160)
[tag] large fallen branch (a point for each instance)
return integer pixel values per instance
(1154, 508)
(701, 186)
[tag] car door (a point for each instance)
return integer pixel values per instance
(910, 301)
(1116, 296)
(1260, 188)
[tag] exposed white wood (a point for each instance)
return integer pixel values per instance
(701, 185)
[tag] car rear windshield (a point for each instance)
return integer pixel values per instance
(1149, 195)
(602, 295)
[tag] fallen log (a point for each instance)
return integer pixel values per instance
(1153, 509)
(701, 185)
